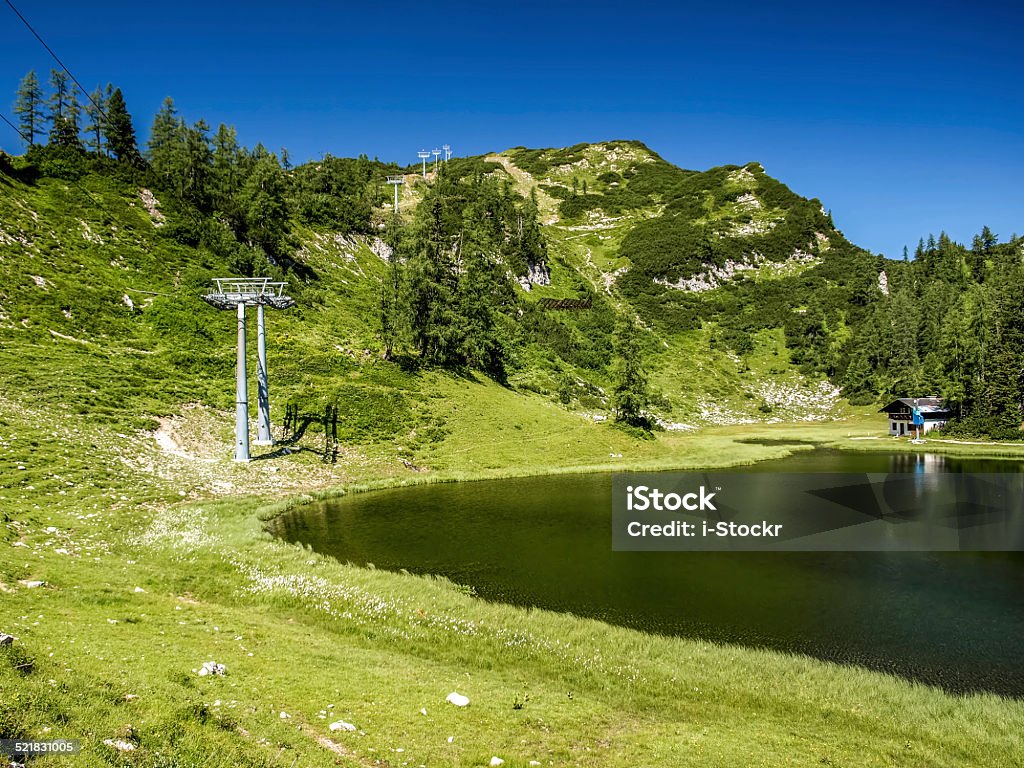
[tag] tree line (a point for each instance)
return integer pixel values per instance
(237, 202)
(952, 324)
(107, 127)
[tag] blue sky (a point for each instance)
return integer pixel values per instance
(902, 121)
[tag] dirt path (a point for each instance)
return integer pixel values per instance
(525, 183)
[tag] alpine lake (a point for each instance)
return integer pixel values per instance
(949, 619)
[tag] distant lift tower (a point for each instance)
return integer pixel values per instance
(396, 182)
(447, 152)
(240, 292)
(423, 155)
(435, 153)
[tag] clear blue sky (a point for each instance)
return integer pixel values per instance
(903, 118)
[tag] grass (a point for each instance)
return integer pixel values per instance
(142, 588)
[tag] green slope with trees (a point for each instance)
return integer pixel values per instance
(715, 262)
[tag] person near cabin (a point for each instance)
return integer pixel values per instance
(917, 419)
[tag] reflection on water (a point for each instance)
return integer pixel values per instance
(950, 619)
(919, 463)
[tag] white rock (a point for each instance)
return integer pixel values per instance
(457, 699)
(212, 668)
(341, 725)
(451, 739)
(118, 744)
(284, 716)
(423, 711)
(32, 584)
(138, 590)
(535, 762)
(497, 760)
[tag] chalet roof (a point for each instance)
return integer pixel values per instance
(926, 404)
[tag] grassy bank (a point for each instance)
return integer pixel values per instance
(154, 561)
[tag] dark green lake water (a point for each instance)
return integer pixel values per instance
(955, 620)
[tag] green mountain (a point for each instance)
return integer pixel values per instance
(519, 265)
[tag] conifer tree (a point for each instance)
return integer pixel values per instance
(631, 396)
(28, 106)
(197, 158)
(64, 111)
(120, 132)
(226, 176)
(164, 143)
(263, 204)
(430, 290)
(96, 108)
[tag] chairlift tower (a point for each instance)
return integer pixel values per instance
(238, 293)
(436, 153)
(396, 182)
(423, 155)
(447, 152)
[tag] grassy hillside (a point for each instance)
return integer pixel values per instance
(119, 495)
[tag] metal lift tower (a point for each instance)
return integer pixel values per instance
(238, 293)
(423, 155)
(435, 153)
(447, 152)
(396, 182)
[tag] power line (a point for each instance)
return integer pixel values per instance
(57, 59)
(15, 128)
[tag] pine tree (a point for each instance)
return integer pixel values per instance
(165, 141)
(29, 108)
(197, 159)
(430, 290)
(60, 83)
(988, 239)
(263, 204)
(631, 396)
(96, 109)
(119, 130)
(64, 111)
(226, 176)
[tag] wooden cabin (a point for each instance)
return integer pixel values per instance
(900, 412)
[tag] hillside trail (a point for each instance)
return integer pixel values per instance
(525, 184)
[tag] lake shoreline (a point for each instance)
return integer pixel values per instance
(765, 438)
